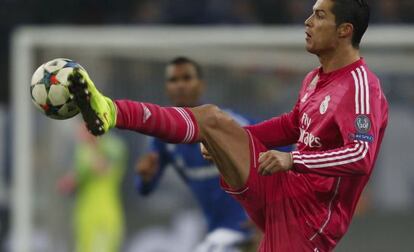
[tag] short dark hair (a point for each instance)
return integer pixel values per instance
(356, 12)
(184, 60)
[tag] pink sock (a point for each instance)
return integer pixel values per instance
(171, 124)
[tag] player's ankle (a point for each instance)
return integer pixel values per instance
(113, 110)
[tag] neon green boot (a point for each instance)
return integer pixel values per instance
(98, 111)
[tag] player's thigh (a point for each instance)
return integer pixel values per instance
(226, 141)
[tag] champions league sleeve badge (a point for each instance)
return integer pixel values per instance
(362, 126)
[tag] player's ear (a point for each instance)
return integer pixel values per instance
(345, 30)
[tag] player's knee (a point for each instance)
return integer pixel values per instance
(213, 117)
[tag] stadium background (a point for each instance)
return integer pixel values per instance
(385, 221)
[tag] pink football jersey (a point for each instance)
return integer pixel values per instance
(338, 123)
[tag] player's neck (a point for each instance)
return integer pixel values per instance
(338, 58)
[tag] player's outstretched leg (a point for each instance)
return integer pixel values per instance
(227, 142)
(98, 111)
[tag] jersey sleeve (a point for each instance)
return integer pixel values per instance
(278, 131)
(159, 147)
(361, 117)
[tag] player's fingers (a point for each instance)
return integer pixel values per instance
(271, 168)
(207, 157)
(204, 152)
(264, 163)
(262, 156)
(266, 172)
(202, 148)
(268, 167)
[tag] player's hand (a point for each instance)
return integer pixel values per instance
(274, 161)
(147, 166)
(205, 153)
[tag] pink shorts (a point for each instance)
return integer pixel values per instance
(277, 204)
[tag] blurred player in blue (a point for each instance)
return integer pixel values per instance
(227, 221)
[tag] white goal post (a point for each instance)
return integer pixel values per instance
(260, 45)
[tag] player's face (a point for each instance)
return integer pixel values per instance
(183, 85)
(321, 29)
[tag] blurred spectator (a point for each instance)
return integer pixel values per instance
(244, 12)
(147, 12)
(298, 11)
(386, 11)
(407, 11)
(231, 12)
(186, 12)
(271, 12)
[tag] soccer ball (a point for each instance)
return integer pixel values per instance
(49, 89)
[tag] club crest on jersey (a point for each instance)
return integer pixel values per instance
(362, 124)
(324, 105)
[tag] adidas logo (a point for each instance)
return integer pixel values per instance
(147, 114)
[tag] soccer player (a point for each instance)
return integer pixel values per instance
(98, 215)
(303, 200)
(225, 218)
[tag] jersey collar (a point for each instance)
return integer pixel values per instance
(324, 78)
